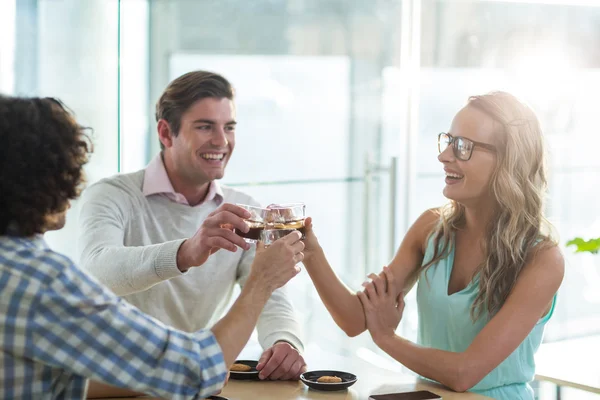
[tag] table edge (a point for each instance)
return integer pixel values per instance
(561, 382)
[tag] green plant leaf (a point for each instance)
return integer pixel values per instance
(591, 246)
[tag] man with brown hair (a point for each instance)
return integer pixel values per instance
(154, 236)
(58, 325)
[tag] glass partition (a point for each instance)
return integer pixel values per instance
(67, 49)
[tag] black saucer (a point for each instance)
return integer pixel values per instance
(251, 375)
(310, 379)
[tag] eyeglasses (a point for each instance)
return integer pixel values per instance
(462, 147)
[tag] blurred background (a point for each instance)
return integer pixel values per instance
(339, 105)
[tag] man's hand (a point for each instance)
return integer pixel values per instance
(275, 265)
(383, 310)
(281, 362)
(216, 232)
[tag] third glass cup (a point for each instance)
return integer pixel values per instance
(286, 216)
(269, 236)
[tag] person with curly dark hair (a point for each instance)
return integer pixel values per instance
(58, 325)
(42, 152)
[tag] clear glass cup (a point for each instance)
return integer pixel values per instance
(269, 236)
(256, 223)
(286, 216)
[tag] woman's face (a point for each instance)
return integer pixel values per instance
(468, 182)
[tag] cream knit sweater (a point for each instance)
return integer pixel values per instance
(129, 242)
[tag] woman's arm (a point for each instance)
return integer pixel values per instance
(527, 303)
(341, 302)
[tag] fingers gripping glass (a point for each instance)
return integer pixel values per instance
(269, 236)
(461, 147)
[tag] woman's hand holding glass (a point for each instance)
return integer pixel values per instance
(311, 243)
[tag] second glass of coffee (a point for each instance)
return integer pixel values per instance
(269, 236)
(286, 216)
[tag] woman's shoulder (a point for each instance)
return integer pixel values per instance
(429, 218)
(422, 228)
(546, 261)
(547, 252)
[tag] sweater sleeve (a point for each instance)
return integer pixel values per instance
(278, 320)
(104, 214)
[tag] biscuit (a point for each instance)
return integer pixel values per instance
(329, 379)
(240, 368)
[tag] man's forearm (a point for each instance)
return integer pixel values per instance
(234, 329)
(278, 322)
(126, 270)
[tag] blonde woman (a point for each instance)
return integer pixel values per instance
(486, 268)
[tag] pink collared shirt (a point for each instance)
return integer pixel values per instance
(156, 181)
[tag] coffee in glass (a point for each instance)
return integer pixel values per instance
(256, 223)
(286, 216)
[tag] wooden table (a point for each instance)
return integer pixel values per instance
(571, 363)
(371, 380)
(365, 386)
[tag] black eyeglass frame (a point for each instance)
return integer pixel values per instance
(454, 142)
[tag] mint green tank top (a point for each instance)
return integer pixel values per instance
(445, 323)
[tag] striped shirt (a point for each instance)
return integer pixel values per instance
(59, 327)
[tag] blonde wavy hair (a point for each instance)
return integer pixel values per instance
(518, 187)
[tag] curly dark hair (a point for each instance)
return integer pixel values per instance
(42, 153)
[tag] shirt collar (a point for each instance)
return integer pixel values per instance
(37, 239)
(215, 192)
(156, 181)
